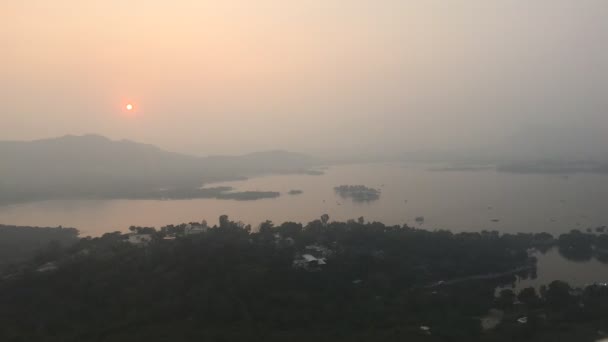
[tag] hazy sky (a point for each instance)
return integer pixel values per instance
(235, 76)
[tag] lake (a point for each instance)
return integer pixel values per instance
(454, 200)
(552, 266)
(457, 200)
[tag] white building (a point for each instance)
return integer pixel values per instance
(309, 262)
(140, 239)
(310, 258)
(48, 267)
(192, 229)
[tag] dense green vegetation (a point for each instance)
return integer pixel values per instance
(580, 246)
(18, 244)
(329, 281)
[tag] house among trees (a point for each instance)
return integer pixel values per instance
(309, 262)
(139, 239)
(314, 257)
(196, 228)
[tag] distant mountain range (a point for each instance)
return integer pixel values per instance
(93, 166)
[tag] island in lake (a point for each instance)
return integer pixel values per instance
(358, 193)
(219, 192)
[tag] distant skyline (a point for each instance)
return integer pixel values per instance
(320, 76)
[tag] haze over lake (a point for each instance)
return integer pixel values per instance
(466, 200)
(326, 170)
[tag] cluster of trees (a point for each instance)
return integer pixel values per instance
(580, 246)
(235, 283)
(18, 244)
(556, 312)
(238, 283)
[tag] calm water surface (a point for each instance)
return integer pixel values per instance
(455, 200)
(552, 266)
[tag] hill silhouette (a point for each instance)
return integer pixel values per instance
(92, 166)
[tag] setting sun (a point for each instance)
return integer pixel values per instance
(129, 107)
